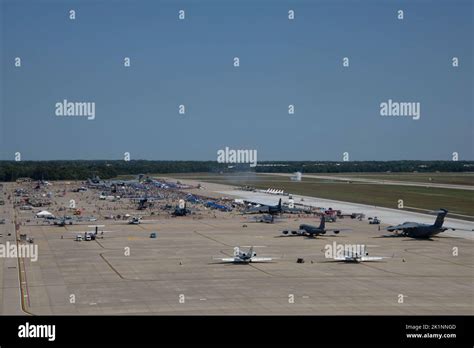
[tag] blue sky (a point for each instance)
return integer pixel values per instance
(283, 62)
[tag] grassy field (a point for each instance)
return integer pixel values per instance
(438, 178)
(414, 198)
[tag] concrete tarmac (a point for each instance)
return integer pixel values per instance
(177, 273)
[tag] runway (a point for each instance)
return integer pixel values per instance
(378, 181)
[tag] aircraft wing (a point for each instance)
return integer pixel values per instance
(458, 229)
(344, 259)
(292, 210)
(257, 210)
(229, 259)
(261, 259)
(372, 258)
(361, 259)
(338, 229)
(402, 226)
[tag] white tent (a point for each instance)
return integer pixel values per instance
(43, 214)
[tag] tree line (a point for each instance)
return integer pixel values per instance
(81, 170)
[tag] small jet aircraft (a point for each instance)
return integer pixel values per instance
(313, 231)
(358, 257)
(63, 221)
(349, 253)
(181, 209)
(245, 257)
(423, 231)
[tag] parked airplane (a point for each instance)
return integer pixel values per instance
(423, 231)
(313, 231)
(269, 219)
(214, 205)
(274, 209)
(181, 209)
(63, 221)
(358, 257)
(245, 256)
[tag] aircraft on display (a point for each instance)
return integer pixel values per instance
(355, 257)
(313, 231)
(63, 221)
(269, 219)
(214, 205)
(245, 257)
(181, 209)
(422, 231)
(191, 198)
(274, 209)
(90, 235)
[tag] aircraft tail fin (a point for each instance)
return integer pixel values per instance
(440, 218)
(279, 204)
(322, 225)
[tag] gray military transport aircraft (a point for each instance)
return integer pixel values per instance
(313, 231)
(423, 231)
(272, 210)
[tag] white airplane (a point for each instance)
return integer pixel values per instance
(245, 256)
(357, 257)
(312, 231)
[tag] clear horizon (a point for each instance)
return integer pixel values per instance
(282, 62)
